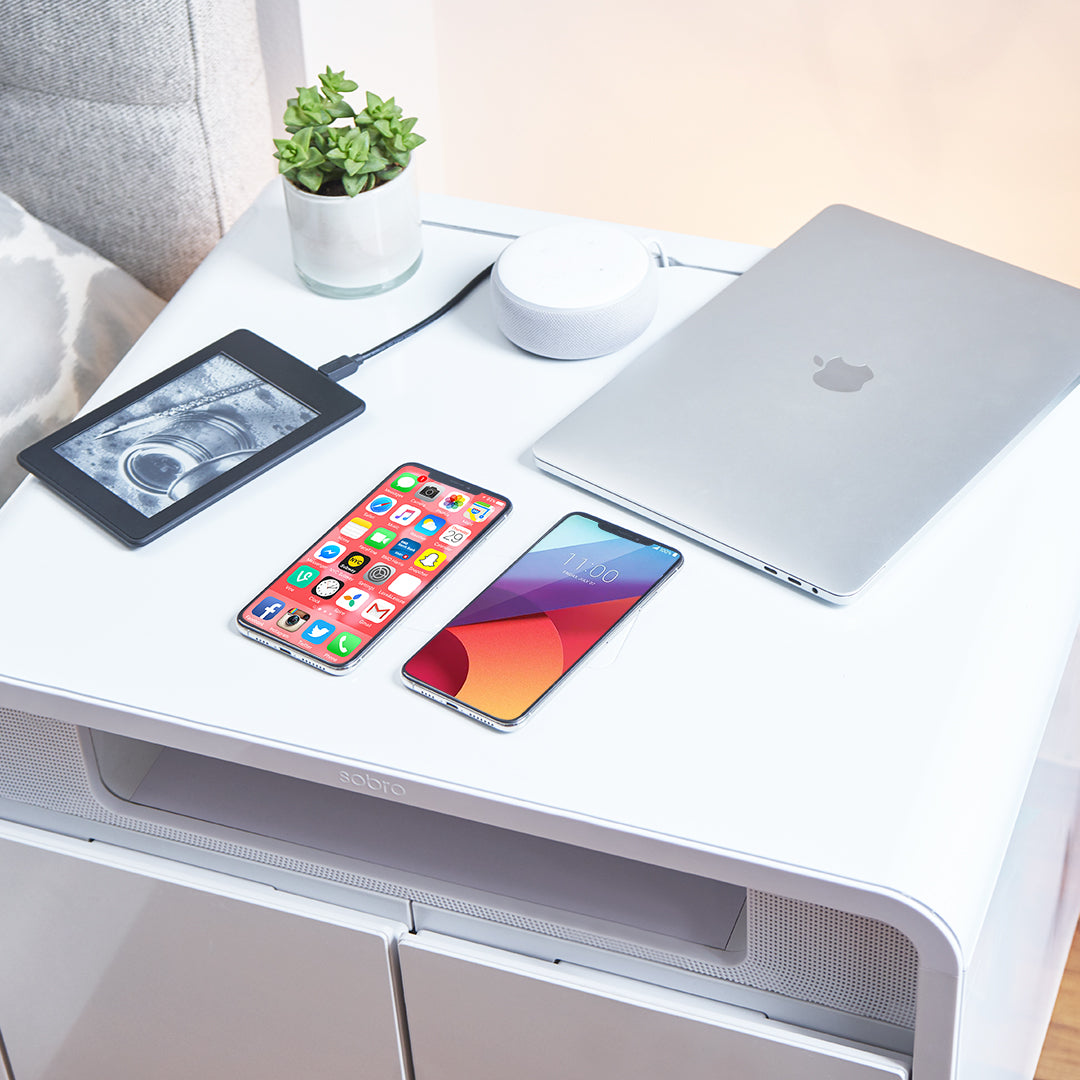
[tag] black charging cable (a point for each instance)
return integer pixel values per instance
(343, 366)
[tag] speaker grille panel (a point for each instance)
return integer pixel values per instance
(574, 334)
(796, 949)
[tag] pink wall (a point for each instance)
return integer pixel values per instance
(742, 119)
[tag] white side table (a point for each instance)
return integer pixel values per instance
(890, 766)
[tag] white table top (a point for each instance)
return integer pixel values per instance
(876, 744)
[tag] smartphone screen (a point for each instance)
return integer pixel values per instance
(498, 658)
(338, 596)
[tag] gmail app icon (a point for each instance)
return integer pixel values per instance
(378, 611)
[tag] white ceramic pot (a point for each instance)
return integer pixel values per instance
(357, 246)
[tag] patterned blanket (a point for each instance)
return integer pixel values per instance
(67, 316)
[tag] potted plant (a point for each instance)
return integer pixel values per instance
(350, 191)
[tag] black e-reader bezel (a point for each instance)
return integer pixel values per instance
(331, 403)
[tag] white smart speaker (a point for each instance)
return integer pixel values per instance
(574, 291)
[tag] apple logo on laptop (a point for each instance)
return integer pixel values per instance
(839, 375)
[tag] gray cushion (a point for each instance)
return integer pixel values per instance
(141, 129)
(68, 316)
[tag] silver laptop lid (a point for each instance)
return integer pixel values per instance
(819, 411)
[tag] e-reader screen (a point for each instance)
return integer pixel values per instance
(196, 427)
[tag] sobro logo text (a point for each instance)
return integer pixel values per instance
(372, 783)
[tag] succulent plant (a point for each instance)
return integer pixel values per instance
(372, 147)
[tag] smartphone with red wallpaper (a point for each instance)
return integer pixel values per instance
(509, 648)
(331, 603)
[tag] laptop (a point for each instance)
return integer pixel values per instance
(816, 414)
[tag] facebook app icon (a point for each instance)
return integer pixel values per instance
(267, 607)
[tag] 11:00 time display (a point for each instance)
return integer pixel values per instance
(597, 571)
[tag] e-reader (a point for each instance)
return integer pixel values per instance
(152, 457)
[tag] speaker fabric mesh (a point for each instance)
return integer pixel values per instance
(800, 950)
(574, 334)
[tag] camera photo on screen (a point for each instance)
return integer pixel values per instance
(178, 437)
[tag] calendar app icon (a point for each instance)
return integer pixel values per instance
(455, 536)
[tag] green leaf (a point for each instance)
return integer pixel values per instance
(294, 152)
(320, 139)
(375, 161)
(305, 110)
(353, 185)
(334, 82)
(340, 109)
(355, 142)
(311, 179)
(351, 149)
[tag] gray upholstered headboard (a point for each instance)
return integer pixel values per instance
(142, 127)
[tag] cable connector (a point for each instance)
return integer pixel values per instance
(660, 257)
(342, 367)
